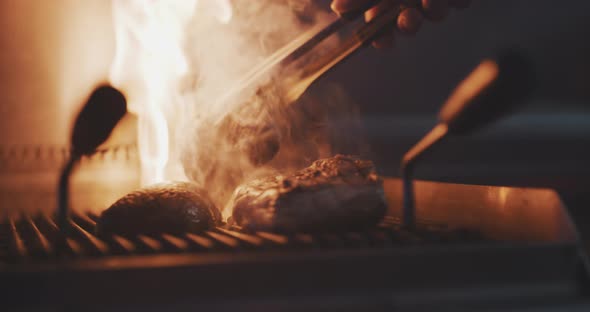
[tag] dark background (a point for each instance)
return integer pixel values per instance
(417, 75)
(544, 143)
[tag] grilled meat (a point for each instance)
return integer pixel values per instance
(338, 193)
(174, 208)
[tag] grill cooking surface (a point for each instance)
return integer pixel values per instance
(25, 237)
(384, 268)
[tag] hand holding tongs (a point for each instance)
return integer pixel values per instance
(356, 34)
(298, 64)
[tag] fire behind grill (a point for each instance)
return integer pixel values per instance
(25, 237)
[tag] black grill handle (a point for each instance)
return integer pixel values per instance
(105, 107)
(494, 89)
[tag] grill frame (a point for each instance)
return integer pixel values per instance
(542, 268)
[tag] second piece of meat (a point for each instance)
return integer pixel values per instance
(166, 208)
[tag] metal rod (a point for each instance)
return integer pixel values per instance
(407, 170)
(63, 202)
(409, 204)
(298, 77)
(332, 28)
(329, 30)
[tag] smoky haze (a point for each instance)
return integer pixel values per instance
(222, 143)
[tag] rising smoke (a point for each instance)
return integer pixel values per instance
(253, 132)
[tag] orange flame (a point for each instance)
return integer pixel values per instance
(148, 65)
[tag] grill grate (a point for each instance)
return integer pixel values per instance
(33, 238)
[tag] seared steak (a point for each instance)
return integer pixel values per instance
(173, 208)
(338, 193)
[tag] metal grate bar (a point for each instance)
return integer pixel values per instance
(47, 226)
(89, 242)
(200, 241)
(275, 238)
(49, 229)
(84, 222)
(73, 247)
(121, 245)
(174, 243)
(40, 245)
(250, 239)
(223, 239)
(17, 245)
(148, 244)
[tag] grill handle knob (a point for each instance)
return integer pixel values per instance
(495, 88)
(103, 110)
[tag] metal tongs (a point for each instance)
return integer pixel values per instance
(298, 64)
(317, 56)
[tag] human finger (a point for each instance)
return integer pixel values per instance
(341, 6)
(386, 38)
(409, 21)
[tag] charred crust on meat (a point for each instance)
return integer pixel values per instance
(333, 194)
